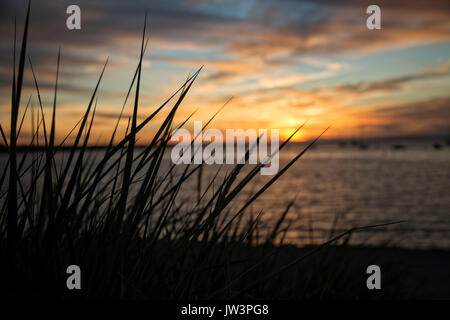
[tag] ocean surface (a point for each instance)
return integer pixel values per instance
(340, 186)
(337, 187)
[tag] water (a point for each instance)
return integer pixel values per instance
(342, 187)
(337, 188)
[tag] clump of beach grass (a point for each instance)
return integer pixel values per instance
(118, 218)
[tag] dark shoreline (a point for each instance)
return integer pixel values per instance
(339, 271)
(413, 273)
(445, 140)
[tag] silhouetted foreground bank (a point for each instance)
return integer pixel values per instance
(405, 273)
(245, 272)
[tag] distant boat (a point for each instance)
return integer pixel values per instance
(363, 146)
(398, 146)
(361, 142)
(437, 146)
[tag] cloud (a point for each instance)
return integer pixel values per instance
(434, 109)
(429, 117)
(260, 39)
(252, 49)
(393, 84)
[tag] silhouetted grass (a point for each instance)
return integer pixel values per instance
(118, 217)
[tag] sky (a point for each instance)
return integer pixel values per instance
(283, 63)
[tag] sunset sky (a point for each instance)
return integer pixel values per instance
(284, 62)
